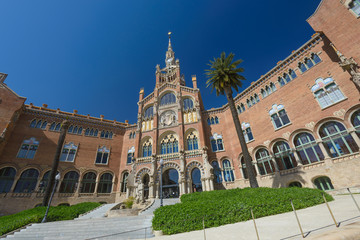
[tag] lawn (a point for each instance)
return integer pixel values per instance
(222, 207)
(35, 215)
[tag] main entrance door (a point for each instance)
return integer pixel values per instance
(170, 181)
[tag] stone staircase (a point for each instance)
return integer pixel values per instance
(94, 225)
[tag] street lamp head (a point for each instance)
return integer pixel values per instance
(57, 177)
(161, 162)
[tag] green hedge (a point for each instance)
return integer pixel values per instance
(12, 222)
(229, 206)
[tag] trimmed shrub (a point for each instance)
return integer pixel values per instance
(35, 215)
(229, 206)
(129, 202)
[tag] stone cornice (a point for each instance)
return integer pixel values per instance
(62, 115)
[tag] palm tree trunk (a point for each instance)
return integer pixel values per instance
(65, 126)
(245, 151)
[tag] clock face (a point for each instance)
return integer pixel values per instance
(169, 60)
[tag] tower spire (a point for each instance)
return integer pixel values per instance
(169, 47)
(170, 55)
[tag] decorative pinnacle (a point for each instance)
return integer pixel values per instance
(169, 33)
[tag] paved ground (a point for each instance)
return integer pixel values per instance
(314, 220)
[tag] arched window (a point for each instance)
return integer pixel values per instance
(88, 183)
(242, 107)
(192, 142)
(309, 63)
(337, 140)
(58, 127)
(279, 116)
(216, 120)
(27, 181)
(102, 155)
(168, 98)
(281, 81)
(292, 74)
(147, 149)
(354, 5)
(105, 183)
(252, 100)
(102, 135)
(68, 153)
(43, 125)
(196, 180)
(44, 181)
(323, 183)
(239, 109)
(216, 142)
(69, 183)
(149, 112)
(302, 67)
(75, 130)
(169, 144)
(228, 171)
(28, 149)
(264, 93)
(287, 77)
(273, 87)
(327, 92)
(283, 156)
(355, 120)
(315, 58)
(52, 126)
(268, 90)
(307, 148)
(33, 123)
(295, 184)
(188, 103)
(244, 170)
(212, 120)
(257, 99)
(217, 172)
(7, 176)
(80, 130)
(124, 182)
(70, 129)
(87, 132)
(130, 155)
(38, 125)
(208, 121)
(264, 163)
(248, 103)
(247, 132)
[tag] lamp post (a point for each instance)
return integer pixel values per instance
(57, 178)
(161, 194)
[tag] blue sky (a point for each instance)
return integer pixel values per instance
(95, 55)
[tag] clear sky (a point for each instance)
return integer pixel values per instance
(95, 55)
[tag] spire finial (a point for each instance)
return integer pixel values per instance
(169, 33)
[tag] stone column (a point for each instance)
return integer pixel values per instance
(277, 169)
(188, 186)
(212, 183)
(151, 190)
(256, 168)
(16, 179)
(207, 182)
(183, 186)
(323, 149)
(297, 158)
(203, 183)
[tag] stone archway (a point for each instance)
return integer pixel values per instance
(170, 179)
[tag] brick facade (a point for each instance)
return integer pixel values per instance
(294, 103)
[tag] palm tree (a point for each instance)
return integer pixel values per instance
(223, 76)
